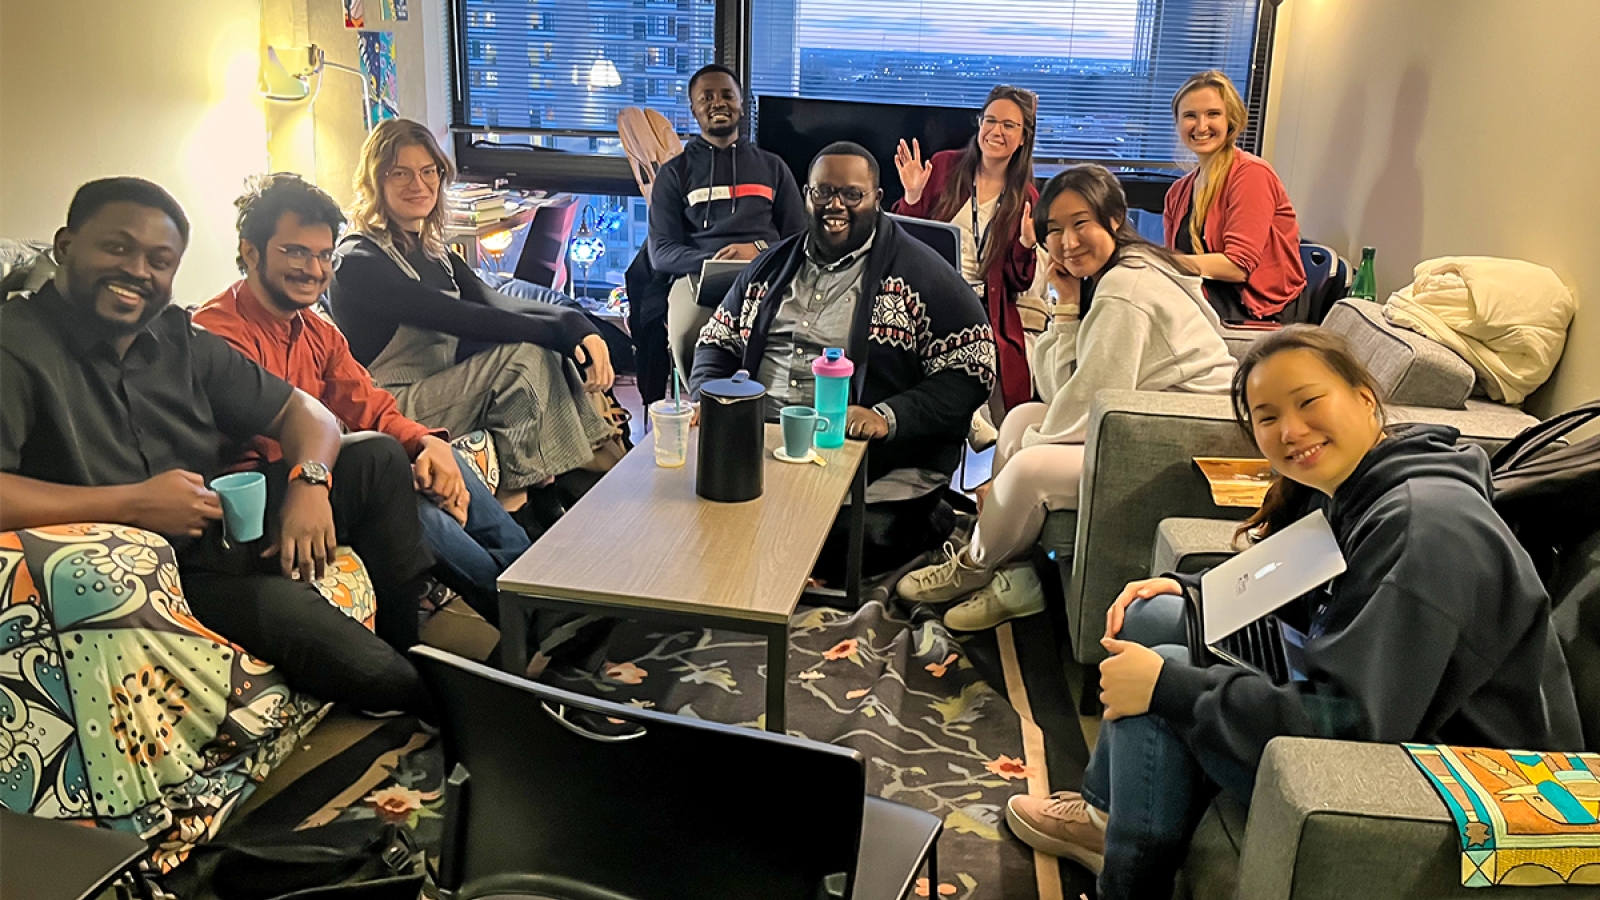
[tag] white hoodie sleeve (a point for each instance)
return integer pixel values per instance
(1073, 361)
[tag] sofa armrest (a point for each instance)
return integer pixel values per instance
(1138, 469)
(1335, 819)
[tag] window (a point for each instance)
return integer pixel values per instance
(1105, 70)
(590, 57)
(661, 27)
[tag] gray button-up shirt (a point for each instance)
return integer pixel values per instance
(817, 311)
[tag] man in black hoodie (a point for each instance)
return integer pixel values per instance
(721, 198)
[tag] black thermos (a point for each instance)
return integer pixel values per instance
(732, 415)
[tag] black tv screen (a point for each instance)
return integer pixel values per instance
(797, 129)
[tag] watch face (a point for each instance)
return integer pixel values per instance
(314, 472)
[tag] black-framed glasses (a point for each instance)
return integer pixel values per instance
(1005, 125)
(823, 194)
(302, 256)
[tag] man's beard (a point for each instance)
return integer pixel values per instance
(832, 248)
(281, 299)
(83, 293)
(722, 131)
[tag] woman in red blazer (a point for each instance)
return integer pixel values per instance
(997, 239)
(1231, 217)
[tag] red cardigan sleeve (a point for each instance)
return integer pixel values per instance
(1018, 267)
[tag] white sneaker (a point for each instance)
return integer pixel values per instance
(982, 434)
(943, 581)
(1014, 593)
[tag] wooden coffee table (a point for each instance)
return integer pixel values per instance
(642, 545)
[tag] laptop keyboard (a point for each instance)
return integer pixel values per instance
(1260, 644)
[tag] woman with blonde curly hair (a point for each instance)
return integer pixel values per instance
(1231, 217)
(456, 353)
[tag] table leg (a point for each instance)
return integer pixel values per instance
(513, 634)
(777, 676)
(858, 530)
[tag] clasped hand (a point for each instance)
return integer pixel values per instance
(1128, 678)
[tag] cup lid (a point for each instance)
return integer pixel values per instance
(832, 364)
(740, 387)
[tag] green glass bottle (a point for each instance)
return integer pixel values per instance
(1366, 285)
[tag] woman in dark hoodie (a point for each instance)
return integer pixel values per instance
(1439, 630)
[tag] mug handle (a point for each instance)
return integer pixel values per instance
(821, 423)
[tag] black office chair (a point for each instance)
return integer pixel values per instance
(549, 797)
(50, 860)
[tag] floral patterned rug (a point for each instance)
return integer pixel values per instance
(890, 682)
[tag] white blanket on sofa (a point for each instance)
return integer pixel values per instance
(1506, 317)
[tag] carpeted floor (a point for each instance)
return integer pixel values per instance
(950, 725)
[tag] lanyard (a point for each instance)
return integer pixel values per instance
(980, 237)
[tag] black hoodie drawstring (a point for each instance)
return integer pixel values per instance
(711, 182)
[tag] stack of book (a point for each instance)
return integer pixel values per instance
(474, 205)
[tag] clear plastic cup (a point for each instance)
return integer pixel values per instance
(670, 423)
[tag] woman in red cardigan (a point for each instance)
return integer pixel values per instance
(1231, 216)
(997, 239)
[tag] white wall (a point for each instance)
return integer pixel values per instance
(163, 90)
(167, 90)
(1449, 127)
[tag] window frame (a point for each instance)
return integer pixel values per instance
(595, 173)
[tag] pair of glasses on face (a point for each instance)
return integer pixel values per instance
(1005, 125)
(428, 174)
(823, 194)
(302, 256)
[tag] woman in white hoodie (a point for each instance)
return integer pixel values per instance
(1128, 314)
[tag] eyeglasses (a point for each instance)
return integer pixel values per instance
(823, 194)
(302, 256)
(429, 175)
(1005, 125)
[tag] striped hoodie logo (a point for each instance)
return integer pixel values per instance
(724, 192)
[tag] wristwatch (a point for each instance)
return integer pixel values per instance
(312, 472)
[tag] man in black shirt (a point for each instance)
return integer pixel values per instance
(114, 409)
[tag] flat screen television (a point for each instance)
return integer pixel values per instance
(796, 129)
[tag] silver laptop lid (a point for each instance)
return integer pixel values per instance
(1256, 582)
(711, 268)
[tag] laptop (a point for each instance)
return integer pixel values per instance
(716, 279)
(944, 238)
(1238, 598)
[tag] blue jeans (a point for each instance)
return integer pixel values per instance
(1151, 785)
(469, 559)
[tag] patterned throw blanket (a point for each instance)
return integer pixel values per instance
(1524, 818)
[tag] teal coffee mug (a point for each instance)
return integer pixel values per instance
(800, 427)
(244, 505)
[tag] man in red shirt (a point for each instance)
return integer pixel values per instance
(287, 231)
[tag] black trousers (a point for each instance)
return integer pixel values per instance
(288, 623)
(896, 532)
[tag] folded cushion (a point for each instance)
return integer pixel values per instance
(1412, 370)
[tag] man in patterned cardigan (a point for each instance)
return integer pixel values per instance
(921, 343)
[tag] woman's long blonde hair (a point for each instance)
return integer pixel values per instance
(378, 155)
(1215, 170)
